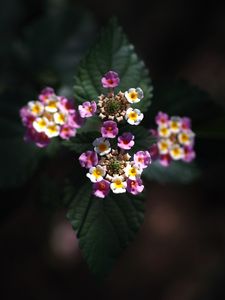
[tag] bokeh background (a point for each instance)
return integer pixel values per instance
(179, 253)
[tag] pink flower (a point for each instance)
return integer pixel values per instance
(39, 138)
(189, 154)
(75, 120)
(165, 160)
(66, 105)
(109, 129)
(67, 132)
(110, 80)
(154, 152)
(87, 109)
(26, 116)
(135, 186)
(46, 93)
(142, 159)
(161, 118)
(126, 141)
(101, 188)
(88, 159)
(185, 123)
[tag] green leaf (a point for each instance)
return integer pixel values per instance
(104, 226)
(81, 142)
(18, 160)
(176, 172)
(112, 51)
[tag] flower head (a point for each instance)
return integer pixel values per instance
(126, 141)
(142, 159)
(135, 186)
(118, 185)
(101, 188)
(48, 117)
(134, 95)
(88, 159)
(110, 80)
(87, 109)
(134, 116)
(109, 129)
(101, 146)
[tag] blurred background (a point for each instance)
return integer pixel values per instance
(179, 253)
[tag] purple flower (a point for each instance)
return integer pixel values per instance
(46, 93)
(142, 159)
(161, 118)
(165, 160)
(39, 138)
(135, 186)
(67, 132)
(26, 116)
(185, 123)
(110, 80)
(154, 152)
(75, 120)
(87, 109)
(101, 188)
(109, 129)
(88, 159)
(66, 105)
(189, 154)
(126, 141)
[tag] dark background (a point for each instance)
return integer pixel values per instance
(179, 252)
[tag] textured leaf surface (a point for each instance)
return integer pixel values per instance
(112, 51)
(177, 172)
(104, 226)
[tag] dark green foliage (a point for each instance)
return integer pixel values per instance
(104, 226)
(112, 51)
(176, 172)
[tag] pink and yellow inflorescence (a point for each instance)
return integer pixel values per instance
(175, 139)
(48, 117)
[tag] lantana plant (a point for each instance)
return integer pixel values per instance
(102, 128)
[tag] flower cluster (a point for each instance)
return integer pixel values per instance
(111, 168)
(48, 117)
(113, 106)
(175, 139)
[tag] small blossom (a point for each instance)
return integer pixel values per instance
(36, 108)
(110, 80)
(142, 159)
(101, 146)
(66, 105)
(75, 120)
(189, 154)
(26, 116)
(163, 146)
(165, 160)
(135, 186)
(87, 109)
(40, 139)
(186, 137)
(134, 116)
(40, 124)
(126, 141)
(176, 152)
(46, 94)
(88, 159)
(52, 106)
(52, 130)
(164, 131)
(161, 119)
(134, 95)
(109, 129)
(96, 173)
(185, 123)
(66, 132)
(132, 172)
(154, 152)
(101, 188)
(60, 118)
(175, 124)
(118, 185)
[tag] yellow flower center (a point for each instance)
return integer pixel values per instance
(174, 125)
(42, 123)
(36, 109)
(184, 137)
(133, 96)
(176, 151)
(133, 172)
(118, 183)
(133, 116)
(102, 147)
(52, 128)
(97, 173)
